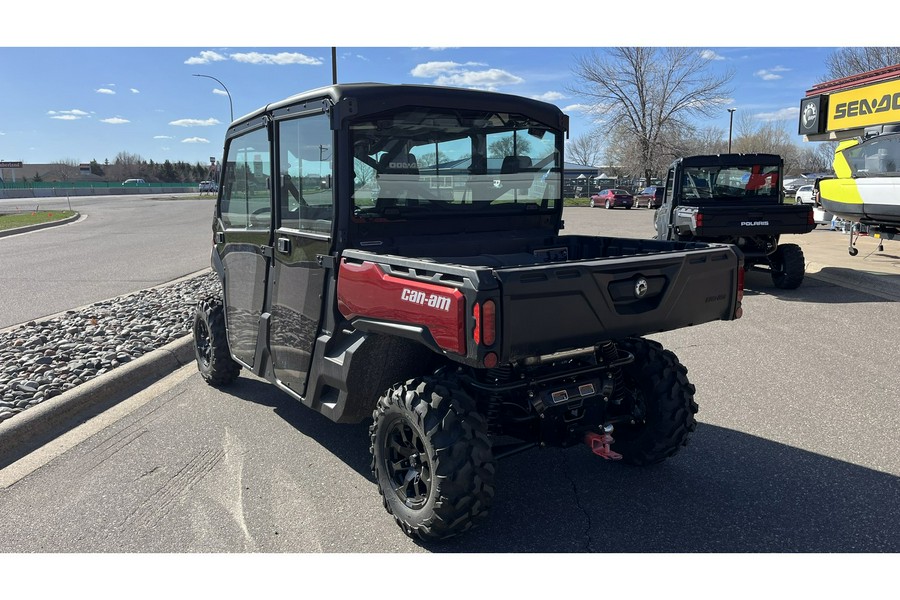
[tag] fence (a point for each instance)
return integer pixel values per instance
(56, 189)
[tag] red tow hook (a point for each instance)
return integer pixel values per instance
(599, 445)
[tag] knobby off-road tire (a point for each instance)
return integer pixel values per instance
(788, 266)
(431, 458)
(662, 401)
(211, 344)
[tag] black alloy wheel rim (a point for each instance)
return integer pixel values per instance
(408, 465)
(201, 338)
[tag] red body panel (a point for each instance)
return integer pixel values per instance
(365, 290)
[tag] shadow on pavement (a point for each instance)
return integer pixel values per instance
(726, 492)
(820, 291)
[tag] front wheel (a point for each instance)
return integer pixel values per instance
(608, 205)
(788, 266)
(211, 344)
(593, 204)
(431, 458)
(658, 404)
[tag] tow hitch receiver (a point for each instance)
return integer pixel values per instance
(599, 445)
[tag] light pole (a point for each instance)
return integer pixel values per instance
(230, 105)
(730, 122)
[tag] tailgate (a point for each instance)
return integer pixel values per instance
(764, 220)
(552, 307)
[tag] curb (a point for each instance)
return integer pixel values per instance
(34, 427)
(27, 228)
(883, 285)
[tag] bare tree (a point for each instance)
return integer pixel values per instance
(845, 62)
(585, 150)
(767, 137)
(649, 92)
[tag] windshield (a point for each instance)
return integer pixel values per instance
(424, 161)
(730, 182)
(876, 157)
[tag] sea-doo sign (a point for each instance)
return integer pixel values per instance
(11, 165)
(862, 107)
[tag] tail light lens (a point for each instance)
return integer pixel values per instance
(485, 317)
(738, 309)
(489, 323)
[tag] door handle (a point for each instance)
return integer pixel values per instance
(284, 245)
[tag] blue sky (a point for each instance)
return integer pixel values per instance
(77, 96)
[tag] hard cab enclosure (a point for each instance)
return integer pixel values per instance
(344, 211)
(726, 196)
(393, 254)
(736, 199)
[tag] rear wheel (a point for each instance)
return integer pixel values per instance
(660, 402)
(211, 344)
(431, 458)
(788, 266)
(608, 205)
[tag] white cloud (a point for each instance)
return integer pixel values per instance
(194, 122)
(549, 96)
(115, 121)
(784, 114)
(195, 140)
(67, 115)
(488, 79)
(219, 92)
(206, 57)
(771, 74)
(162, 137)
(576, 108)
(135, 91)
(105, 91)
(461, 75)
(435, 68)
(282, 58)
(711, 55)
(2, 133)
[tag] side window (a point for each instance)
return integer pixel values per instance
(245, 196)
(305, 182)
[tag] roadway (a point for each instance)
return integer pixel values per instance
(795, 452)
(122, 244)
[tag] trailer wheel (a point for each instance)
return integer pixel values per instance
(788, 266)
(211, 344)
(660, 401)
(431, 458)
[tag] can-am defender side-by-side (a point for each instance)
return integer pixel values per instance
(392, 253)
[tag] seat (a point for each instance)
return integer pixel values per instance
(397, 176)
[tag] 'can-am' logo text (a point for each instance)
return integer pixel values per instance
(423, 299)
(754, 223)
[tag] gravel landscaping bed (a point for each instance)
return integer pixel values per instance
(42, 359)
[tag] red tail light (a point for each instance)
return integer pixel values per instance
(485, 317)
(476, 315)
(489, 324)
(738, 309)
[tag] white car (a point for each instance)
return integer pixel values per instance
(805, 195)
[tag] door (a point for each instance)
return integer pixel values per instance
(305, 201)
(244, 218)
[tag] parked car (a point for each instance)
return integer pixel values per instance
(209, 186)
(805, 195)
(651, 197)
(612, 198)
(133, 182)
